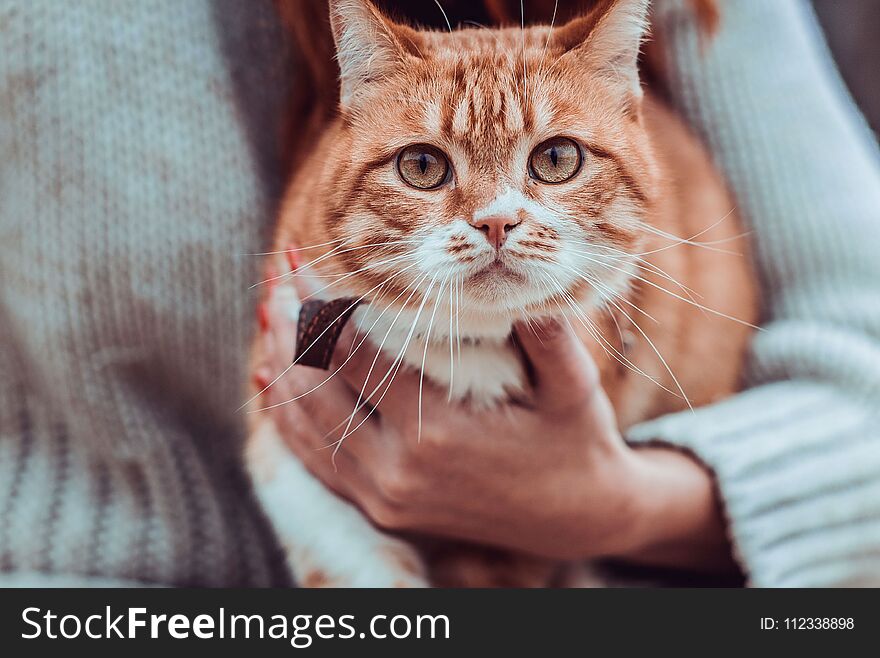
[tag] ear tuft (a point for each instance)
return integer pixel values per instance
(608, 40)
(368, 45)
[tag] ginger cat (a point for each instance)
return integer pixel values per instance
(476, 177)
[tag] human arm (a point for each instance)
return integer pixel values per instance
(797, 456)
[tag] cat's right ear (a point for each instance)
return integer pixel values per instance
(369, 46)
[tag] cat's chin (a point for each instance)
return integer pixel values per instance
(500, 289)
(508, 302)
(495, 296)
(496, 275)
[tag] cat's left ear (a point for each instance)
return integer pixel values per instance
(369, 46)
(607, 40)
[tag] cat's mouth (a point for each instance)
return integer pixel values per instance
(497, 272)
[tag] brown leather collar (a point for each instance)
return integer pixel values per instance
(321, 322)
(317, 331)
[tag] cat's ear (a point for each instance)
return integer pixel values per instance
(369, 46)
(607, 42)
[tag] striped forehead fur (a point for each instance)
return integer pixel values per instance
(485, 98)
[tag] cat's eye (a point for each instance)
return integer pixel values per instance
(423, 166)
(556, 160)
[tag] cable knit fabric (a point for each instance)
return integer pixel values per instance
(137, 167)
(138, 163)
(797, 456)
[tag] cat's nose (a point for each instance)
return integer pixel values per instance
(496, 228)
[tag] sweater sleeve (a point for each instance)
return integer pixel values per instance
(797, 455)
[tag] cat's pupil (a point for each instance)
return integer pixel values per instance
(554, 157)
(423, 163)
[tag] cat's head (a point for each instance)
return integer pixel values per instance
(506, 168)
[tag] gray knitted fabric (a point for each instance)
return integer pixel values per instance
(137, 162)
(137, 167)
(797, 457)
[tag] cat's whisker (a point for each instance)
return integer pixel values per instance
(351, 352)
(708, 246)
(335, 444)
(458, 316)
(643, 264)
(319, 258)
(531, 326)
(679, 297)
(373, 265)
(329, 254)
(659, 271)
(657, 352)
(393, 369)
(615, 353)
(732, 238)
(451, 345)
(342, 277)
(549, 34)
(618, 327)
(600, 339)
(295, 249)
(347, 431)
(445, 17)
(691, 241)
(715, 224)
(315, 341)
(425, 352)
(607, 291)
(654, 269)
(592, 331)
(373, 245)
(291, 274)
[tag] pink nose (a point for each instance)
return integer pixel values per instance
(496, 228)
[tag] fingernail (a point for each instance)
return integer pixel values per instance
(260, 381)
(263, 316)
(292, 257)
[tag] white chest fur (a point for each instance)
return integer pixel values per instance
(481, 370)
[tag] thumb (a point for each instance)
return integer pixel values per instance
(565, 373)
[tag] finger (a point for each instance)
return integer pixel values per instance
(261, 377)
(304, 440)
(331, 404)
(297, 262)
(294, 262)
(282, 312)
(564, 371)
(325, 395)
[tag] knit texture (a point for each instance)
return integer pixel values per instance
(137, 167)
(138, 163)
(797, 457)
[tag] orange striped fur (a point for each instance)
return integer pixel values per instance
(486, 97)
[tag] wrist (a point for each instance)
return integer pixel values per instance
(676, 518)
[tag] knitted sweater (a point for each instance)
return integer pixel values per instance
(797, 456)
(137, 165)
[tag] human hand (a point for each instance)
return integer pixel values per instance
(553, 479)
